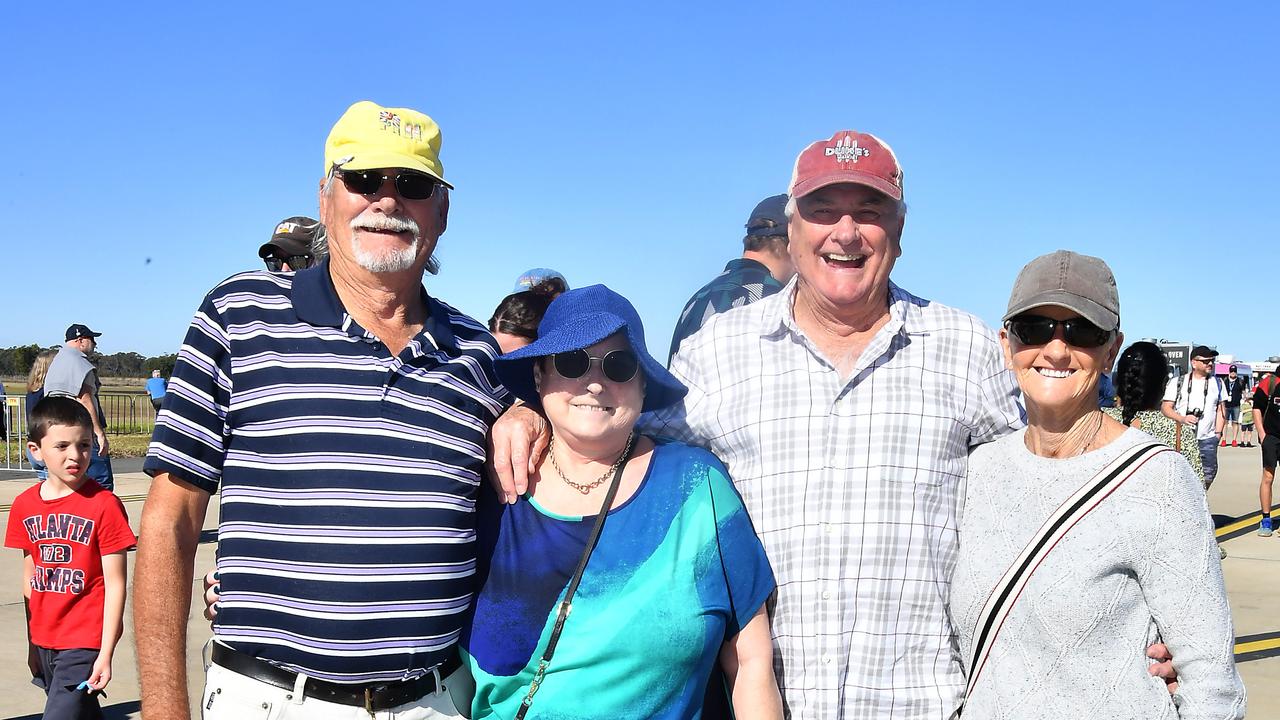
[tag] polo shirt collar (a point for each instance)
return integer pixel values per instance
(315, 301)
(742, 263)
(438, 326)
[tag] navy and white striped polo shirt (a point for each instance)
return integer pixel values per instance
(348, 476)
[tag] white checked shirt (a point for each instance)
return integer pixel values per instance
(852, 484)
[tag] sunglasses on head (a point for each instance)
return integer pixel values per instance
(1039, 330)
(410, 185)
(618, 365)
(295, 262)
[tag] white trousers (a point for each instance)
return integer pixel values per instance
(232, 696)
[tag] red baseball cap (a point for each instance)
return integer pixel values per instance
(848, 157)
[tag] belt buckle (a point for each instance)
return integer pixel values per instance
(370, 693)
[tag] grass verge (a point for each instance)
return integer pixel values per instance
(129, 445)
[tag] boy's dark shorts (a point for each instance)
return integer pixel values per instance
(62, 671)
(1270, 450)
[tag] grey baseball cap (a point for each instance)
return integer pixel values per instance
(1082, 283)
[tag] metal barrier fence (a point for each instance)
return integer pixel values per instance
(127, 414)
(15, 434)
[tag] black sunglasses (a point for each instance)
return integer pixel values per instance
(1039, 330)
(618, 365)
(410, 185)
(296, 262)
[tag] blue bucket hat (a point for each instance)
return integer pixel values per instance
(577, 320)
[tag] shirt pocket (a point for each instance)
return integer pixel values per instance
(920, 449)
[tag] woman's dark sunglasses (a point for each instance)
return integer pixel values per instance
(618, 365)
(1039, 330)
(410, 185)
(296, 262)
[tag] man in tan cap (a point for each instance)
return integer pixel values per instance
(340, 413)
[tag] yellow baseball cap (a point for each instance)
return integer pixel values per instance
(369, 136)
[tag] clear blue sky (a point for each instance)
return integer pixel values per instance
(625, 144)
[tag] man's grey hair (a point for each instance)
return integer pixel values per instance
(320, 241)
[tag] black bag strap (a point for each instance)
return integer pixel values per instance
(566, 605)
(1058, 524)
(1268, 391)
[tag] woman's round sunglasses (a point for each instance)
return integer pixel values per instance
(618, 365)
(410, 185)
(1039, 330)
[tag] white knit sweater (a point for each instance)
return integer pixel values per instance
(1144, 561)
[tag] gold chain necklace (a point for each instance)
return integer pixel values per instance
(586, 488)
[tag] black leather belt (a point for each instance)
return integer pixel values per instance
(374, 698)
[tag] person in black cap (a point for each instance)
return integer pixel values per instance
(292, 245)
(71, 374)
(765, 266)
(1197, 399)
(1235, 387)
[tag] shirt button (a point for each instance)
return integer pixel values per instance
(826, 659)
(826, 594)
(826, 528)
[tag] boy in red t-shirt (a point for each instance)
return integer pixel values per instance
(73, 535)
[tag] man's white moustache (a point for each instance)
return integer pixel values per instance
(385, 222)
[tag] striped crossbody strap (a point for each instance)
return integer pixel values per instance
(1058, 524)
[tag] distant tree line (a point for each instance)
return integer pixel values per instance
(17, 361)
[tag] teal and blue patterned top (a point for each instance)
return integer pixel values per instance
(650, 614)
